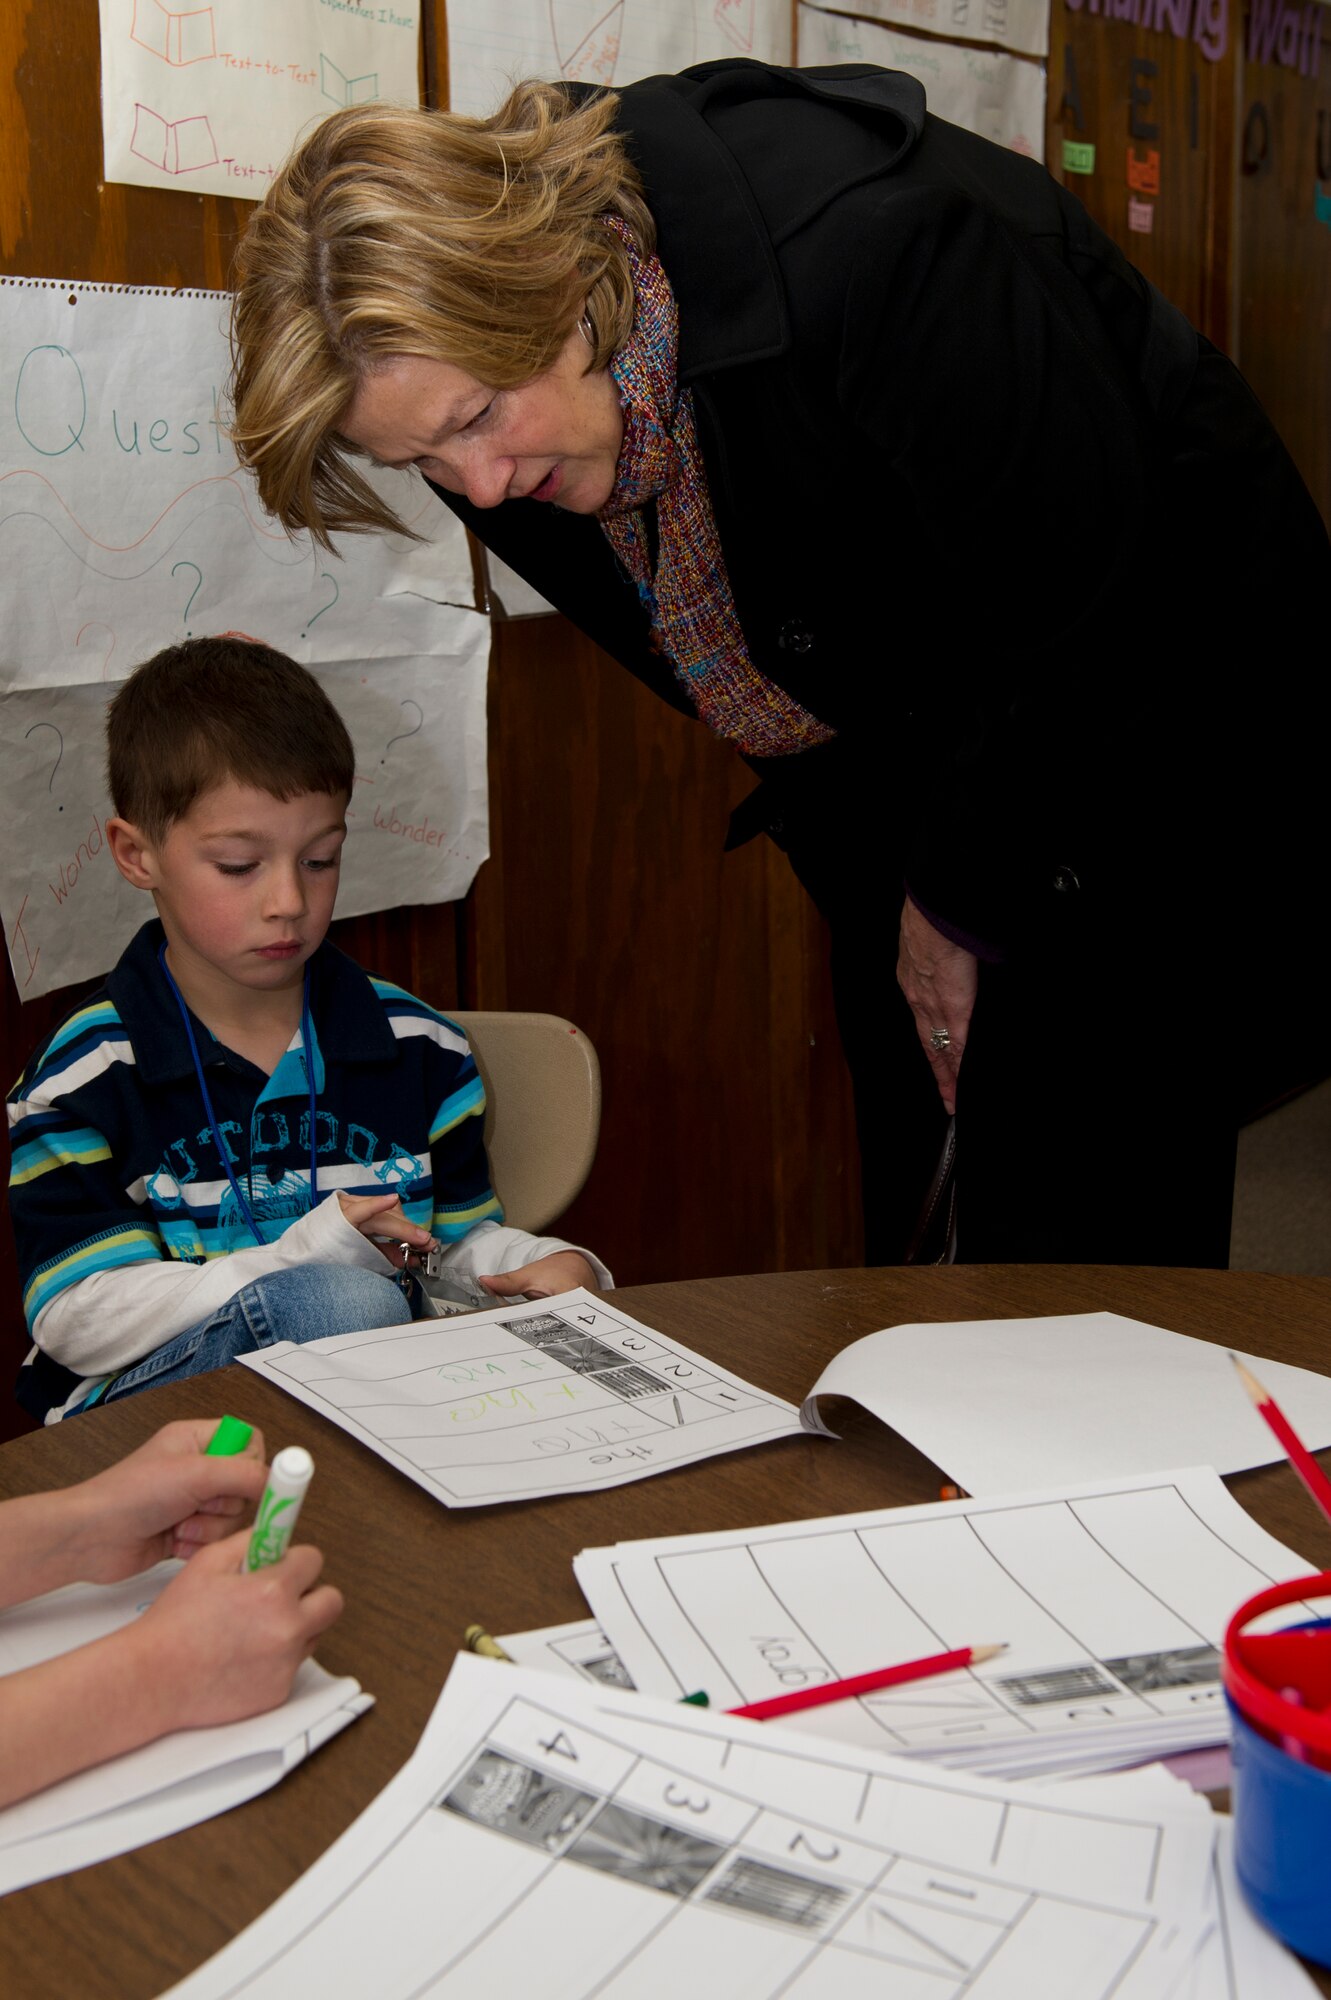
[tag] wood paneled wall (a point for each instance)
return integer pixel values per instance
(1238, 151)
(727, 1142)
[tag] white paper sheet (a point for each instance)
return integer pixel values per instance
(1002, 1403)
(1000, 96)
(1021, 26)
(1112, 1598)
(566, 1397)
(126, 524)
(167, 1785)
(493, 44)
(579, 1650)
(1240, 1959)
(210, 99)
(545, 1838)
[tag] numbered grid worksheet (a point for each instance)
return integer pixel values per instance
(1111, 1598)
(565, 1397)
(545, 1838)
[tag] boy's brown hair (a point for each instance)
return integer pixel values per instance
(209, 710)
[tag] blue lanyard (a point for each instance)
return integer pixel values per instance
(307, 1048)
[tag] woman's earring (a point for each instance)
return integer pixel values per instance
(587, 330)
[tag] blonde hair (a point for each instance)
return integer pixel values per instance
(477, 241)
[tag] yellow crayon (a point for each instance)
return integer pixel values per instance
(478, 1640)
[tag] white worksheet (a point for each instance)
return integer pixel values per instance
(167, 1785)
(1240, 1959)
(567, 1396)
(579, 1650)
(1111, 1597)
(1002, 1403)
(545, 1838)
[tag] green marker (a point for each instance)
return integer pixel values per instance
(696, 1700)
(229, 1439)
(288, 1478)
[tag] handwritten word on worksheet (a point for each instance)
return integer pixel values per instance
(566, 1397)
(547, 1840)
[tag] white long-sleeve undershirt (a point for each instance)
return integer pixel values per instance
(112, 1319)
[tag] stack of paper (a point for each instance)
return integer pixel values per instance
(1112, 1599)
(169, 1784)
(595, 1842)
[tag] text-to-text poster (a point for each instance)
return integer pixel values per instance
(211, 99)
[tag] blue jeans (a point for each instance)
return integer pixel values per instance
(304, 1303)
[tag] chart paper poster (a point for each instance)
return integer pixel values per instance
(493, 44)
(1021, 26)
(999, 96)
(127, 525)
(211, 99)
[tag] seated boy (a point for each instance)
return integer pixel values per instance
(205, 1151)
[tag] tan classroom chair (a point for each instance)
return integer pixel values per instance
(542, 1110)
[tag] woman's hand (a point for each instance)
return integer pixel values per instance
(939, 980)
(562, 1271)
(168, 1498)
(382, 1215)
(221, 1643)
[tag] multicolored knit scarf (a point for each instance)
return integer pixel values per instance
(688, 599)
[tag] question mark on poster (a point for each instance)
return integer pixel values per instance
(324, 577)
(402, 737)
(193, 594)
(59, 753)
(78, 640)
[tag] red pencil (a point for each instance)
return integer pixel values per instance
(1298, 1454)
(884, 1677)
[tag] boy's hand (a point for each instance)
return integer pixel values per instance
(378, 1215)
(562, 1271)
(220, 1644)
(167, 1498)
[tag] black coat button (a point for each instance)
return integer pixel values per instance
(794, 637)
(1065, 881)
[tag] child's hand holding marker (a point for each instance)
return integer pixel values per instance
(239, 1639)
(217, 1645)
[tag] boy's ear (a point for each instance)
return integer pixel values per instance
(132, 854)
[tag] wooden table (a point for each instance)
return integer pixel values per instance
(415, 1574)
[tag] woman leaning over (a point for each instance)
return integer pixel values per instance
(849, 433)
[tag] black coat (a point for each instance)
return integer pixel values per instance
(988, 504)
(994, 510)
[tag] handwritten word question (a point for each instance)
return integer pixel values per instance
(55, 414)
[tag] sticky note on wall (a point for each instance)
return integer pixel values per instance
(1141, 216)
(1144, 174)
(1078, 157)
